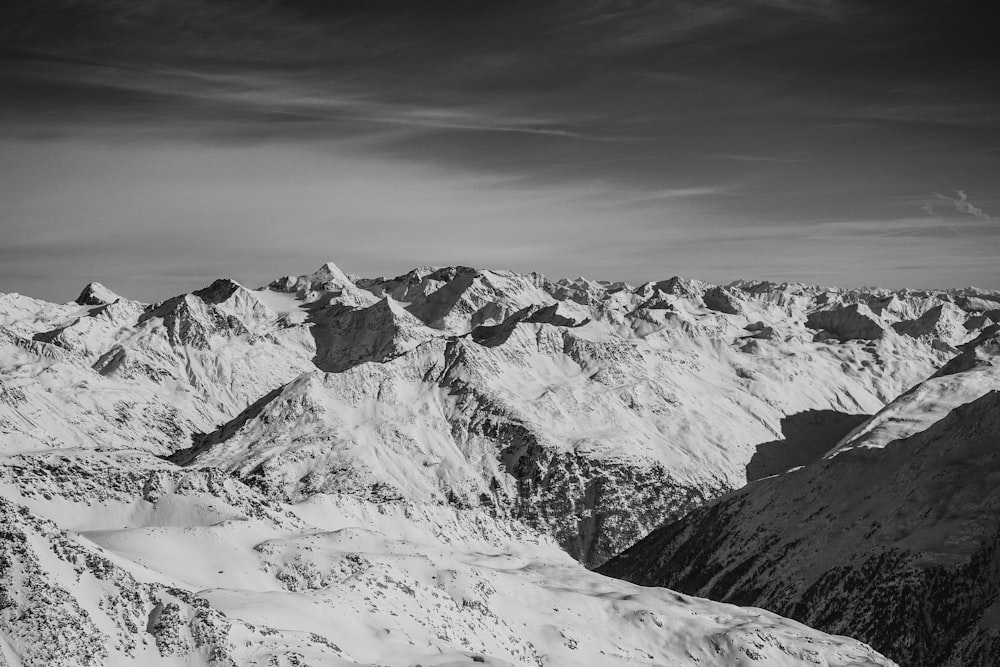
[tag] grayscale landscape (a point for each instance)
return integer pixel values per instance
(761, 429)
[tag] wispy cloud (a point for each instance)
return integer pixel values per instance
(694, 133)
(117, 94)
(963, 205)
(754, 158)
(671, 194)
(952, 113)
(832, 10)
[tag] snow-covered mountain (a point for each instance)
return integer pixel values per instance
(343, 470)
(894, 536)
(562, 404)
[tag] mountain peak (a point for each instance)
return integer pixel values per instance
(327, 278)
(330, 273)
(220, 290)
(96, 294)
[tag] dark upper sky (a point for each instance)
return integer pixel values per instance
(154, 145)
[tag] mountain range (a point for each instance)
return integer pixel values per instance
(341, 470)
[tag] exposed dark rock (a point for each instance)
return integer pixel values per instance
(760, 330)
(96, 294)
(722, 300)
(855, 321)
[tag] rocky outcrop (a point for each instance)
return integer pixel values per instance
(855, 321)
(760, 331)
(65, 603)
(722, 300)
(594, 508)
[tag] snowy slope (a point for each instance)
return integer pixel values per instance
(123, 559)
(965, 378)
(893, 536)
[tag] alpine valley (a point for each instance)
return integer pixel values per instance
(450, 467)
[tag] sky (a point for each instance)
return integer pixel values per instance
(155, 145)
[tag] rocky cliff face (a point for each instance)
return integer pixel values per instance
(893, 536)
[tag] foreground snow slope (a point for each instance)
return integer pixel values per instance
(119, 558)
(894, 536)
(590, 410)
